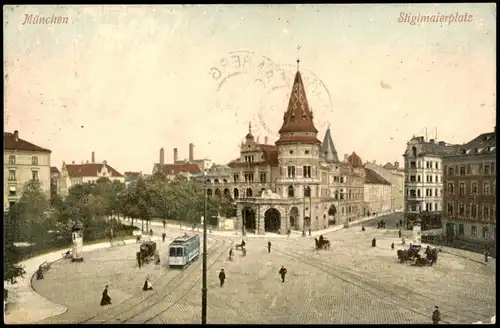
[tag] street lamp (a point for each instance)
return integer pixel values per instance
(204, 275)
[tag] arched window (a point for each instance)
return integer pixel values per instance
(208, 181)
(307, 191)
(236, 193)
(291, 191)
(217, 192)
(249, 192)
(216, 181)
(209, 192)
(336, 194)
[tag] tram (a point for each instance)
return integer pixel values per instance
(183, 250)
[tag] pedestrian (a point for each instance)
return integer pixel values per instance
(363, 228)
(163, 236)
(244, 251)
(397, 225)
(138, 256)
(289, 232)
(486, 255)
(374, 242)
(436, 316)
(282, 273)
(147, 285)
(309, 232)
(105, 300)
(269, 247)
(164, 224)
(230, 254)
(39, 273)
(401, 223)
(392, 246)
(151, 232)
(399, 233)
(222, 277)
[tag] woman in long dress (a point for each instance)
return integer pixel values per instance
(105, 300)
(147, 285)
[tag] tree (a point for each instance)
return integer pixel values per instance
(11, 267)
(145, 204)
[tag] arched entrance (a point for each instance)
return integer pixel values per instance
(236, 193)
(332, 212)
(249, 221)
(272, 220)
(294, 215)
(226, 193)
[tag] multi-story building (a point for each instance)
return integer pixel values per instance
(470, 190)
(423, 177)
(55, 181)
(298, 184)
(377, 194)
(185, 166)
(23, 161)
(395, 175)
(73, 174)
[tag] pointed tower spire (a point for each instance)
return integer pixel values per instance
(249, 135)
(328, 148)
(298, 57)
(298, 122)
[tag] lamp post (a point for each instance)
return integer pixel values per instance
(204, 275)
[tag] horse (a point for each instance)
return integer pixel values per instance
(421, 261)
(402, 255)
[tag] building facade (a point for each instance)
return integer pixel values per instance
(298, 183)
(23, 161)
(55, 181)
(395, 175)
(470, 190)
(73, 174)
(377, 194)
(424, 177)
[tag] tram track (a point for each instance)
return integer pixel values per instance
(395, 294)
(143, 301)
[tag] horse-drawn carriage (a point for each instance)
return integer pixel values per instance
(148, 251)
(322, 243)
(412, 254)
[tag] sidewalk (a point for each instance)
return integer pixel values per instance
(25, 306)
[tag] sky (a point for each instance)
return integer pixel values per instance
(125, 81)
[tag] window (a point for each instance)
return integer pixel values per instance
(450, 188)
(437, 165)
(34, 160)
(486, 168)
(236, 177)
(468, 169)
(307, 171)
(418, 178)
(428, 165)
(460, 229)
(335, 179)
(473, 211)
(336, 194)
(412, 178)
(12, 159)
(462, 169)
(450, 209)
(176, 251)
(413, 165)
(473, 231)
(436, 207)
(248, 177)
(291, 171)
(342, 180)
(462, 188)
(12, 191)
(34, 175)
(474, 169)
(486, 188)
(413, 208)
(413, 193)
(249, 192)
(436, 178)
(450, 170)
(341, 193)
(473, 188)
(262, 178)
(307, 192)
(12, 175)
(427, 191)
(493, 168)
(291, 191)
(236, 193)
(418, 192)
(485, 232)
(461, 209)
(436, 193)
(486, 214)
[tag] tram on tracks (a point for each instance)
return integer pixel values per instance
(183, 250)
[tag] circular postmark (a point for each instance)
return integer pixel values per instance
(255, 87)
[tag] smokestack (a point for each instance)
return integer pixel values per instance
(16, 135)
(162, 156)
(346, 157)
(175, 155)
(92, 158)
(396, 164)
(191, 152)
(265, 140)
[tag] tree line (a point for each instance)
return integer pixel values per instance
(44, 223)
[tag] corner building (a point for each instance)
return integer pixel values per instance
(298, 183)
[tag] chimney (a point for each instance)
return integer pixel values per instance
(396, 164)
(346, 157)
(16, 135)
(265, 140)
(72, 162)
(175, 155)
(162, 156)
(191, 152)
(93, 157)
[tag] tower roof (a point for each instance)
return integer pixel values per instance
(355, 160)
(298, 117)
(328, 148)
(249, 134)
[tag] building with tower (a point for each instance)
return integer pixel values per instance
(298, 183)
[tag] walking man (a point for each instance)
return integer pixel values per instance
(151, 232)
(164, 224)
(163, 236)
(486, 255)
(230, 254)
(436, 316)
(269, 247)
(147, 285)
(222, 277)
(138, 256)
(392, 246)
(282, 273)
(289, 232)
(399, 233)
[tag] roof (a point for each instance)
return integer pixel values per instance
(90, 170)
(482, 144)
(54, 169)
(328, 148)
(389, 166)
(170, 169)
(298, 117)
(355, 160)
(289, 139)
(270, 157)
(11, 142)
(132, 174)
(371, 177)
